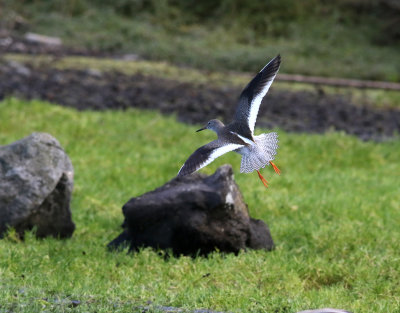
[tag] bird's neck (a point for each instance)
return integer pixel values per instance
(219, 128)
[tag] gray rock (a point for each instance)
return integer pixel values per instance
(19, 68)
(193, 214)
(5, 42)
(130, 57)
(42, 39)
(326, 310)
(36, 181)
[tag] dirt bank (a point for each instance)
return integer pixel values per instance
(294, 111)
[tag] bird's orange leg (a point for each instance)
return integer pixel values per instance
(264, 181)
(276, 169)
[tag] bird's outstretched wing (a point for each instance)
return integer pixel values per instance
(251, 96)
(205, 155)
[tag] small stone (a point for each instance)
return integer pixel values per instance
(42, 39)
(74, 303)
(5, 42)
(130, 57)
(19, 68)
(93, 72)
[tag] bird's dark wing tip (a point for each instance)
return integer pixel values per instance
(278, 58)
(273, 65)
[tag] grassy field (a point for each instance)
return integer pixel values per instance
(334, 215)
(355, 39)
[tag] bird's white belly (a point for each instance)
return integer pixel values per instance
(243, 151)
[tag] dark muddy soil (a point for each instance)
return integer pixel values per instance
(294, 111)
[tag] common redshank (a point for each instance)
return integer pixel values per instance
(238, 136)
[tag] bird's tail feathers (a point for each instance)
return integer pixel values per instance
(261, 153)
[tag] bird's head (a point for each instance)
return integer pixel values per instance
(214, 125)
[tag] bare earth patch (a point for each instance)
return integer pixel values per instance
(293, 111)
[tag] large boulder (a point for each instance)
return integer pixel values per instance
(36, 181)
(193, 214)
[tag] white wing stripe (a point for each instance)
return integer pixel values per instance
(218, 152)
(255, 104)
(244, 138)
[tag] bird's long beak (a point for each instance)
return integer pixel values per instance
(199, 130)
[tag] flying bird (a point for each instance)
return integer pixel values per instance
(238, 136)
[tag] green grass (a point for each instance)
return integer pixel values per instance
(315, 38)
(334, 215)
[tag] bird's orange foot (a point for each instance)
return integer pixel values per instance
(264, 181)
(276, 169)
